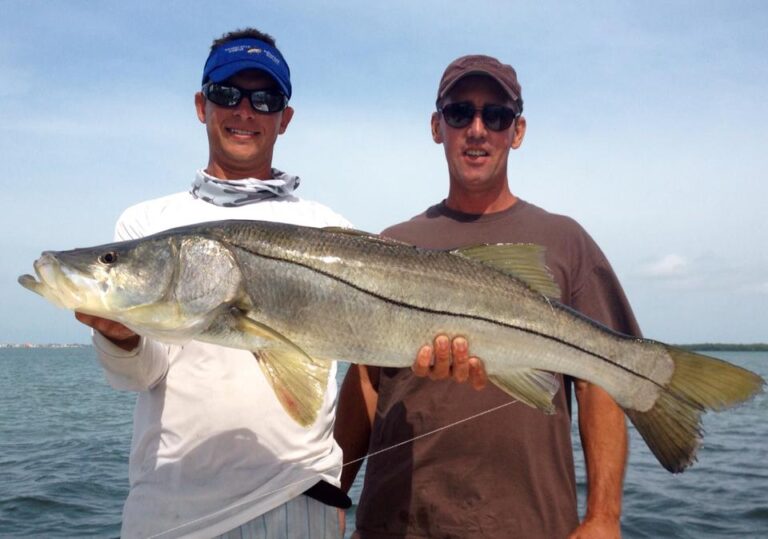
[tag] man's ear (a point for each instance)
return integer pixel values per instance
(285, 119)
(519, 134)
(200, 106)
(437, 134)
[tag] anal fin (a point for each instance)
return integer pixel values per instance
(530, 386)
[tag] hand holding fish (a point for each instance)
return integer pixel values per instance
(116, 332)
(450, 359)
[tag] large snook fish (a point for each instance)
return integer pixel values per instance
(299, 297)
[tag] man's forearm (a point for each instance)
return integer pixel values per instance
(354, 420)
(139, 369)
(604, 439)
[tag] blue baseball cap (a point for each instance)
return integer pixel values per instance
(232, 57)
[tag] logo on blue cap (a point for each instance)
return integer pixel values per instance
(229, 59)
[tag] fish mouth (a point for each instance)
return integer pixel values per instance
(55, 282)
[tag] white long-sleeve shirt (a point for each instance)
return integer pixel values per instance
(212, 447)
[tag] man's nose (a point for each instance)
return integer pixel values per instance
(244, 108)
(476, 127)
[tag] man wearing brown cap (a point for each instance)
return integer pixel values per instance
(508, 472)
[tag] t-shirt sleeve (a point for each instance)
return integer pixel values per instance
(597, 292)
(326, 217)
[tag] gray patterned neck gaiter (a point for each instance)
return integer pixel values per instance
(230, 193)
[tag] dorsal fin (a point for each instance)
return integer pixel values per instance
(524, 261)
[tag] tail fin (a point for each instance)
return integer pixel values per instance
(672, 428)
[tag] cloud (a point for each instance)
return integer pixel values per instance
(671, 266)
(707, 273)
(757, 288)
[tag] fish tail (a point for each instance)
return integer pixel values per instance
(672, 427)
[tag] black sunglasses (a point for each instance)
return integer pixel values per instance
(227, 95)
(495, 117)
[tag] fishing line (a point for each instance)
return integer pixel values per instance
(380, 451)
(426, 434)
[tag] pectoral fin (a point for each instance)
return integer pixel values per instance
(533, 387)
(298, 380)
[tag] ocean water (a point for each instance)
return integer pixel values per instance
(65, 436)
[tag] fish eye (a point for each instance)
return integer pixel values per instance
(108, 258)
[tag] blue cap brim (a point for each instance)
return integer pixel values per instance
(232, 57)
(222, 73)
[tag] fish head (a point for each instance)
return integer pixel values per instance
(111, 281)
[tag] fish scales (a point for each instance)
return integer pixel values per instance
(386, 302)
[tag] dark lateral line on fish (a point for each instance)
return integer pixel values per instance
(470, 316)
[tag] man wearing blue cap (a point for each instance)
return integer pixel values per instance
(213, 452)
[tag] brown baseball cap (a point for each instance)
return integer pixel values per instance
(479, 64)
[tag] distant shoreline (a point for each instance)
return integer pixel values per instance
(702, 347)
(724, 347)
(46, 345)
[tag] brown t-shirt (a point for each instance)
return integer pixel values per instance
(505, 474)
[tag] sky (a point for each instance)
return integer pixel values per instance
(647, 123)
